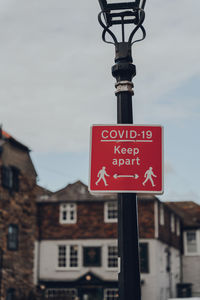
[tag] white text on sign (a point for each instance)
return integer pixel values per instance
(107, 135)
(126, 161)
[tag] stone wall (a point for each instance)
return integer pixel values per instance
(18, 208)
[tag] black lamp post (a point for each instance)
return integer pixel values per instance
(1, 267)
(121, 13)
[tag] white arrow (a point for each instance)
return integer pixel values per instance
(134, 176)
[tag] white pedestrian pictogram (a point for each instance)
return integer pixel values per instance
(148, 175)
(101, 175)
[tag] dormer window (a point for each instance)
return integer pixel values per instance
(68, 213)
(82, 190)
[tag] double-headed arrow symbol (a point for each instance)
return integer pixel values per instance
(133, 176)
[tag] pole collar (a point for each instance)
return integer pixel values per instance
(124, 86)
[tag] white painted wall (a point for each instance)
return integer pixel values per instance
(191, 273)
(191, 266)
(157, 283)
(48, 260)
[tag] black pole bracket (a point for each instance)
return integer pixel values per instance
(123, 70)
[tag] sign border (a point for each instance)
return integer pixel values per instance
(123, 191)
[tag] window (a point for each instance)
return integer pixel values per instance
(12, 237)
(92, 256)
(10, 294)
(144, 257)
(172, 223)
(57, 293)
(191, 242)
(68, 256)
(162, 215)
(10, 178)
(111, 294)
(112, 258)
(110, 212)
(1, 261)
(68, 213)
(178, 229)
(73, 256)
(62, 256)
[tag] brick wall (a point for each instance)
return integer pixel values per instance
(90, 222)
(165, 233)
(146, 219)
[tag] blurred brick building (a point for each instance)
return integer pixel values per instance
(77, 245)
(17, 217)
(189, 212)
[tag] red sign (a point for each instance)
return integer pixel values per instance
(126, 158)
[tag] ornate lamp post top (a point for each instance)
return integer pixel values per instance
(107, 5)
(119, 12)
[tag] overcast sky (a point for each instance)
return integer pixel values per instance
(55, 82)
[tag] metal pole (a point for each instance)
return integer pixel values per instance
(129, 275)
(1, 267)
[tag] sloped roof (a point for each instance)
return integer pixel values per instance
(78, 192)
(6, 136)
(146, 196)
(7, 140)
(189, 212)
(41, 191)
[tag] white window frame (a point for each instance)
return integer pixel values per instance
(111, 290)
(106, 210)
(162, 214)
(186, 252)
(107, 258)
(68, 208)
(50, 293)
(172, 223)
(178, 227)
(68, 257)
